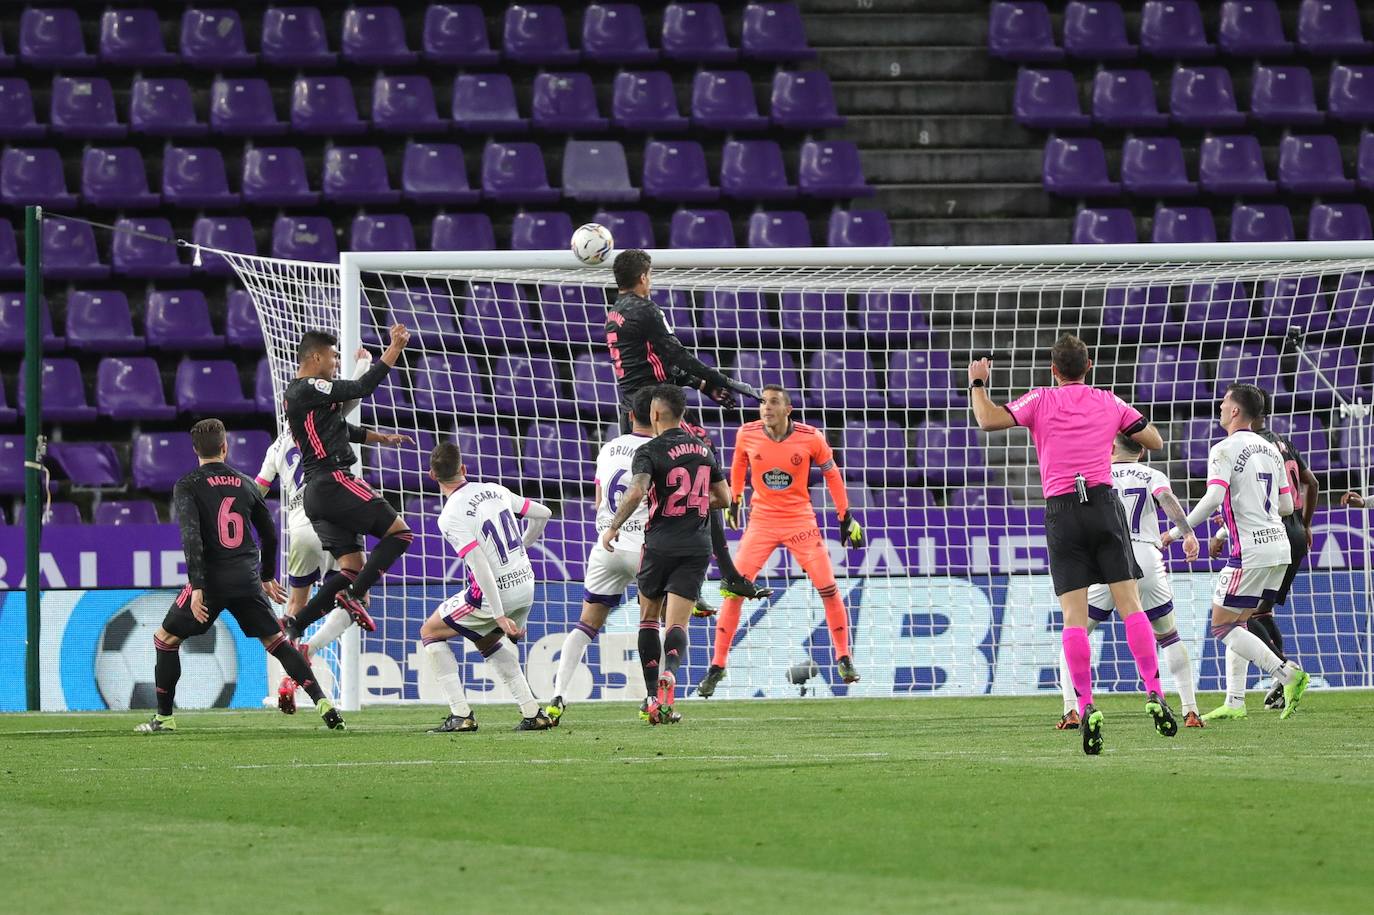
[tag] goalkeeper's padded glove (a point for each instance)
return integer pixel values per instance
(851, 532)
(748, 390)
(734, 513)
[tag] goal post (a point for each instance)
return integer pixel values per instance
(951, 593)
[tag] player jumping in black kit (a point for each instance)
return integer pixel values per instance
(645, 352)
(214, 504)
(342, 507)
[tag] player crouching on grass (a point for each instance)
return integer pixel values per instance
(478, 520)
(225, 570)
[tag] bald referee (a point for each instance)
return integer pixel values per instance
(1073, 425)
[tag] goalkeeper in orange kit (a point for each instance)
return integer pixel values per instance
(779, 455)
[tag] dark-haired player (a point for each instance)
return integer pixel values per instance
(225, 570)
(645, 352)
(342, 507)
(684, 485)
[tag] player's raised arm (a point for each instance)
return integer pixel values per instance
(990, 417)
(318, 360)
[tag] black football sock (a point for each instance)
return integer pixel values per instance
(674, 648)
(724, 561)
(1257, 627)
(321, 603)
(1272, 637)
(387, 551)
(166, 673)
(296, 667)
(650, 647)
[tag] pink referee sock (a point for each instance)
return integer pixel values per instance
(1140, 637)
(1078, 654)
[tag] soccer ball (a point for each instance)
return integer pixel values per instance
(592, 244)
(124, 659)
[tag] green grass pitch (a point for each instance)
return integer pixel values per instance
(964, 805)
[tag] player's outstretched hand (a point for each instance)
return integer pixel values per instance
(396, 438)
(198, 606)
(510, 627)
(1352, 500)
(1215, 546)
(1190, 546)
(274, 591)
(734, 513)
(980, 370)
(724, 397)
(609, 538)
(399, 336)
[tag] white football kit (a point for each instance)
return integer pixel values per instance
(482, 516)
(1138, 486)
(306, 559)
(1251, 471)
(609, 574)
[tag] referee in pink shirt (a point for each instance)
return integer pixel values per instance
(1073, 425)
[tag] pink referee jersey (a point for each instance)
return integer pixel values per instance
(1073, 426)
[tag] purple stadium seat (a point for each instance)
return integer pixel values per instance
(391, 402)
(375, 36)
(701, 229)
(554, 453)
(645, 101)
(247, 449)
(1350, 94)
(1340, 365)
(1104, 226)
(675, 170)
(858, 228)
(11, 466)
(83, 107)
(449, 384)
(1312, 165)
(803, 100)
(629, 228)
(263, 395)
(195, 178)
(1183, 225)
(227, 233)
(243, 108)
(1364, 162)
(456, 34)
(1195, 444)
(1308, 436)
(595, 171)
(357, 174)
(811, 317)
(738, 319)
(951, 455)
(403, 467)
(979, 497)
(163, 108)
(430, 316)
(1137, 314)
(372, 232)
(212, 39)
(294, 36)
(1293, 302)
(535, 33)
(753, 170)
(405, 104)
(1203, 97)
(10, 267)
(1353, 306)
(1096, 30)
(485, 103)
(779, 229)
(515, 173)
(1261, 222)
(101, 322)
(680, 313)
(210, 387)
(1248, 362)
(64, 392)
(1214, 310)
(17, 119)
(1338, 222)
(325, 105)
(768, 367)
(724, 100)
(774, 32)
(462, 232)
(1172, 29)
(1168, 375)
(1126, 98)
(435, 173)
(493, 454)
(877, 452)
(179, 319)
(134, 253)
(52, 38)
(241, 325)
(1252, 28)
(34, 176)
(1283, 95)
(125, 511)
(529, 385)
(842, 380)
(1048, 99)
(92, 464)
(115, 178)
(1233, 165)
(695, 32)
(496, 312)
(565, 103)
(613, 33)
(275, 176)
(133, 38)
(12, 325)
(540, 231)
(1153, 167)
(573, 314)
(305, 238)
(1331, 28)
(160, 459)
(1077, 167)
(69, 252)
(831, 170)
(1021, 32)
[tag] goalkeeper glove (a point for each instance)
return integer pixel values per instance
(734, 513)
(851, 533)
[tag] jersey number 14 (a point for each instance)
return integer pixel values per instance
(507, 540)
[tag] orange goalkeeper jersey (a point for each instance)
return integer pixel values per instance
(780, 471)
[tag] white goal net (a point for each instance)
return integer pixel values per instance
(951, 593)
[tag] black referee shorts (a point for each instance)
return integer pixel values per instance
(1089, 541)
(251, 609)
(1297, 545)
(680, 575)
(342, 508)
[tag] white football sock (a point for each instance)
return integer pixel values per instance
(574, 646)
(1252, 648)
(1237, 672)
(333, 626)
(1065, 681)
(444, 666)
(506, 660)
(1181, 669)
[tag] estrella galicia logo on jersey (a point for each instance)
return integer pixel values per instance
(777, 479)
(321, 385)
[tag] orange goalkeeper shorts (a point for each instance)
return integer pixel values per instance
(804, 542)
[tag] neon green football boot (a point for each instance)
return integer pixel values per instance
(1292, 692)
(1225, 712)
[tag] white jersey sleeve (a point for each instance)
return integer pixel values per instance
(1251, 471)
(1138, 485)
(613, 475)
(482, 516)
(283, 463)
